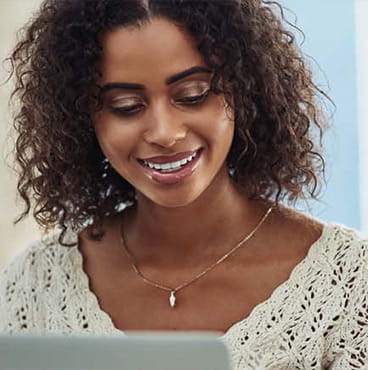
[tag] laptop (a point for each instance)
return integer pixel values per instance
(138, 350)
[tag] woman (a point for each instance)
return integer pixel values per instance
(161, 137)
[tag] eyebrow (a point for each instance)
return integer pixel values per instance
(168, 81)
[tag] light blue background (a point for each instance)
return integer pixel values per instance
(329, 31)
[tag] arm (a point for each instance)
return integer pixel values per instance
(353, 334)
(18, 293)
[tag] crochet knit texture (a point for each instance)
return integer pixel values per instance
(316, 319)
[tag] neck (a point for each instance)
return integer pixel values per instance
(210, 226)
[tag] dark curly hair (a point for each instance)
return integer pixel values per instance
(255, 61)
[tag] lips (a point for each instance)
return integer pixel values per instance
(175, 176)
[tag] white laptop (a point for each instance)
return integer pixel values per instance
(135, 351)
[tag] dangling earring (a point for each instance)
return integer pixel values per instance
(231, 171)
(105, 168)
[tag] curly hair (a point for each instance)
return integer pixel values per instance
(255, 61)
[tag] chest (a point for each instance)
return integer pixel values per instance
(214, 302)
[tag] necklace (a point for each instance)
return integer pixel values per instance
(172, 297)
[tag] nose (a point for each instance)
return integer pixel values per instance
(165, 126)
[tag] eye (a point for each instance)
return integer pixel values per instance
(188, 100)
(195, 99)
(127, 110)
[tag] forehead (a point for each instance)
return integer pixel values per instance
(157, 48)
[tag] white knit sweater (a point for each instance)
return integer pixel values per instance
(317, 319)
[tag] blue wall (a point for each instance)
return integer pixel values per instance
(329, 31)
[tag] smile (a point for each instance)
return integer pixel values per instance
(171, 166)
(171, 172)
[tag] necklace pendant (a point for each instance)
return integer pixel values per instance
(172, 299)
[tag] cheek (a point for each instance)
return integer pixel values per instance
(115, 138)
(218, 123)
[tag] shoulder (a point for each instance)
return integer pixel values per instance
(344, 252)
(337, 251)
(332, 238)
(26, 278)
(346, 246)
(24, 262)
(342, 248)
(36, 256)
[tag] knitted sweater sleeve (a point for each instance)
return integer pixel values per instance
(350, 346)
(19, 293)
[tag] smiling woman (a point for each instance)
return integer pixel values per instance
(161, 137)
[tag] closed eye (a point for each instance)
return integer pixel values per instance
(190, 100)
(194, 99)
(128, 110)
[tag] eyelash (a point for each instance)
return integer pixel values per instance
(192, 100)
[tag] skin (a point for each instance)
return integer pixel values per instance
(176, 231)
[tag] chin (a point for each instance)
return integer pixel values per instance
(180, 199)
(174, 203)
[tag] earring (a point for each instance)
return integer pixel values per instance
(105, 167)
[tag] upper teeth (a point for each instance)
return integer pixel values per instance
(166, 166)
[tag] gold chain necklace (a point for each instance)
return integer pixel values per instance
(172, 297)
